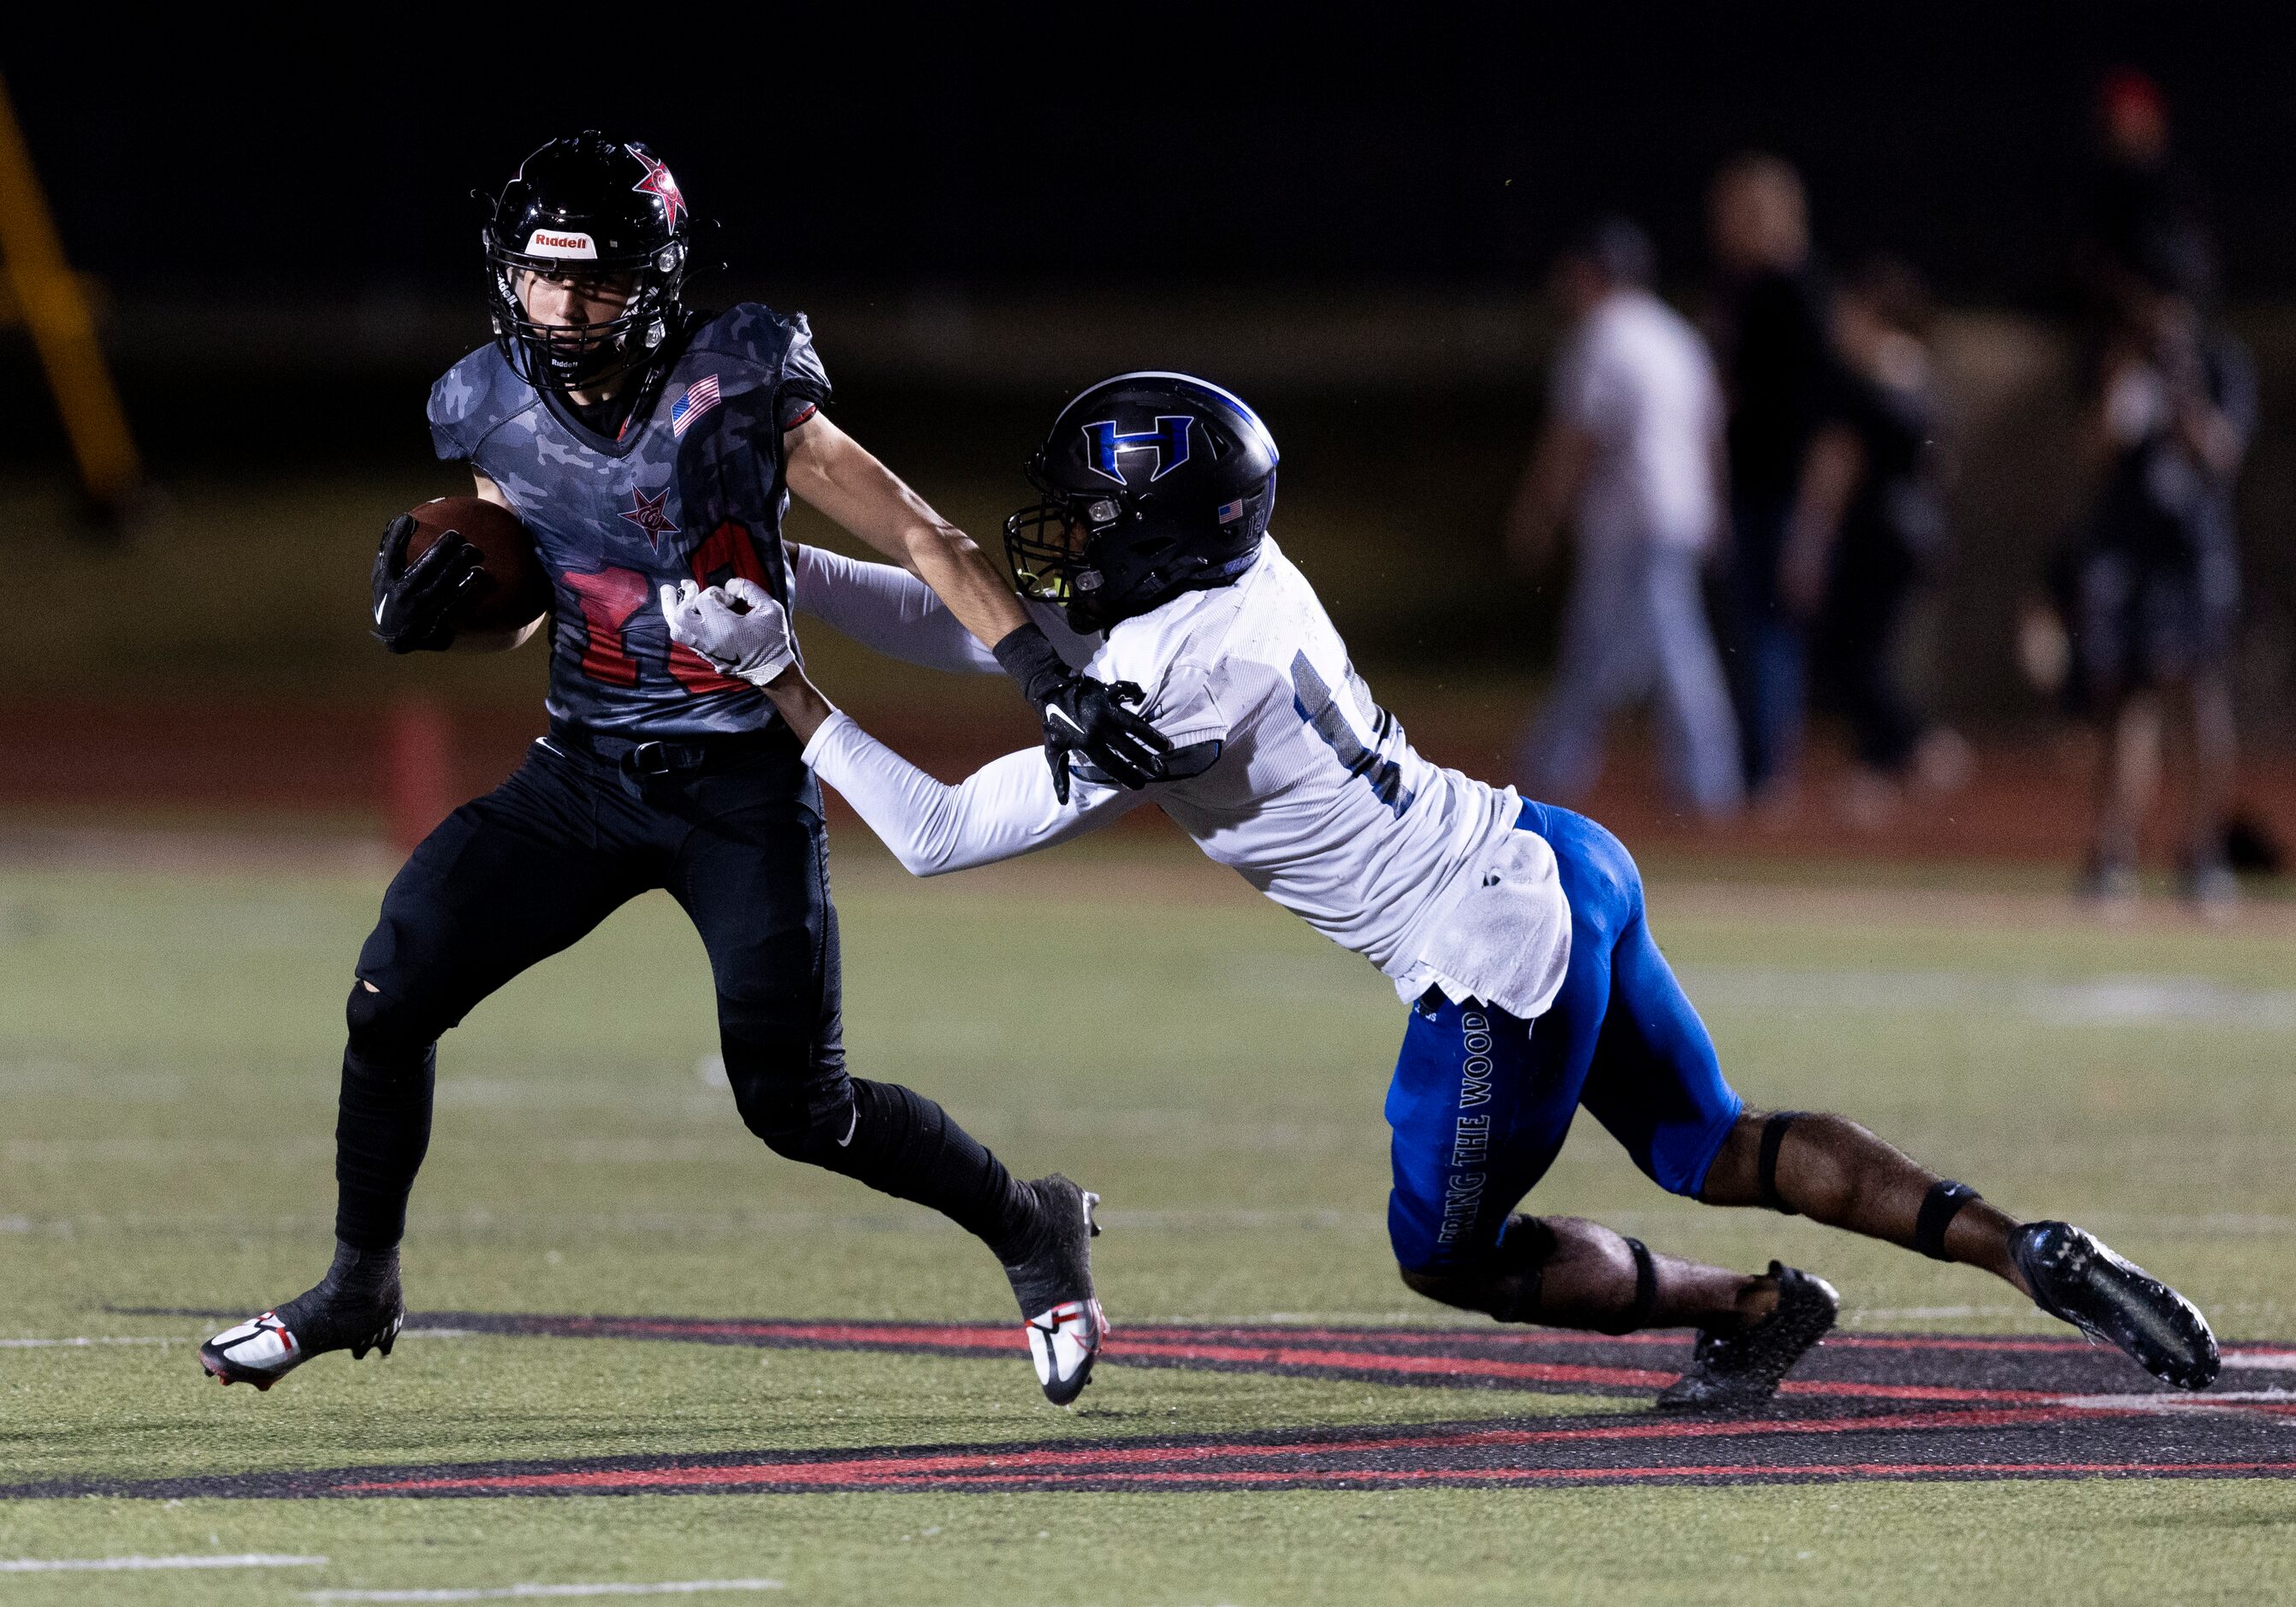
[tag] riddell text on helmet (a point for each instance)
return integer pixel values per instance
(544, 243)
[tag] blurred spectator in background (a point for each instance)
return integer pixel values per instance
(1791, 475)
(1631, 458)
(2153, 587)
(1858, 577)
(2145, 229)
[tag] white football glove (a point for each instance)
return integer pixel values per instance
(755, 646)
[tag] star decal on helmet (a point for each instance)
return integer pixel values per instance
(646, 513)
(658, 182)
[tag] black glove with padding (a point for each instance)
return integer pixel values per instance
(414, 603)
(1082, 715)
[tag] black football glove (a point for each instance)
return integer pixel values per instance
(414, 603)
(1082, 715)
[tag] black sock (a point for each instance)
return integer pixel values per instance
(382, 1128)
(350, 1306)
(904, 1145)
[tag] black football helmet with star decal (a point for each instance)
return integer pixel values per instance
(589, 205)
(1154, 484)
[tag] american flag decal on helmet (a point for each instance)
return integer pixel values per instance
(699, 397)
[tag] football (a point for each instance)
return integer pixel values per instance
(521, 587)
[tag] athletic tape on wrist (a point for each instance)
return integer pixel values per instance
(1027, 655)
(1774, 1133)
(1940, 1207)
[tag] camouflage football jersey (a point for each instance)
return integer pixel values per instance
(692, 488)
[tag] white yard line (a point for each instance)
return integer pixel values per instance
(110, 1564)
(526, 1591)
(2214, 1401)
(2262, 1361)
(80, 1340)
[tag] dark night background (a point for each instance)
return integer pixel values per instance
(1343, 209)
(1145, 143)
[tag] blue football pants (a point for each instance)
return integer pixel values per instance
(1482, 1100)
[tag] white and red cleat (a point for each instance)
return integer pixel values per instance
(1062, 1319)
(1064, 1342)
(259, 1351)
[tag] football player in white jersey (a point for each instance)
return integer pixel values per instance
(1513, 930)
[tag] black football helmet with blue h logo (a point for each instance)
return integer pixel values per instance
(1154, 484)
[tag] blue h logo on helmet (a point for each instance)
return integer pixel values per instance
(1168, 441)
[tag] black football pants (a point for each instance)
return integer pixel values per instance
(510, 878)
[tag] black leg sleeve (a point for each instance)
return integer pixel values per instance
(382, 1130)
(504, 881)
(756, 881)
(905, 1145)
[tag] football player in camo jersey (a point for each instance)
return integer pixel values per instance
(1514, 930)
(643, 442)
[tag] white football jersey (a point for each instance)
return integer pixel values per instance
(1285, 770)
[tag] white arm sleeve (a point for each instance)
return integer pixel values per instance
(890, 610)
(1004, 809)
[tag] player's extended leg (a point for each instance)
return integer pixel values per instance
(1657, 1086)
(755, 878)
(506, 880)
(1832, 1170)
(1480, 1107)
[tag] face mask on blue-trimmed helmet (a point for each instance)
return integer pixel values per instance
(1154, 484)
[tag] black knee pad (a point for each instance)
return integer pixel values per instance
(1523, 1251)
(797, 1120)
(385, 1029)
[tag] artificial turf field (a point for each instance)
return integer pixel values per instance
(166, 1050)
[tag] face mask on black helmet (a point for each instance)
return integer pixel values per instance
(1154, 484)
(587, 205)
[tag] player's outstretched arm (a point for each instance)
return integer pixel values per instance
(838, 476)
(889, 610)
(1004, 809)
(843, 478)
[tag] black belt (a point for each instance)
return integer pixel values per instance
(651, 758)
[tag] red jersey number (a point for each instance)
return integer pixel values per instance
(611, 598)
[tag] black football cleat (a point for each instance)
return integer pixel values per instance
(2116, 1302)
(1737, 1372)
(356, 1308)
(1063, 1321)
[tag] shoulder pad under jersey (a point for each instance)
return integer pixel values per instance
(471, 400)
(778, 343)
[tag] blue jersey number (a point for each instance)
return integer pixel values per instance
(1321, 711)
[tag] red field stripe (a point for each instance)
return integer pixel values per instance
(858, 1335)
(1939, 1392)
(1556, 1373)
(1362, 1361)
(1162, 1333)
(849, 1476)
(1822, 1469)
(974, 1464)
(1176, 1334)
